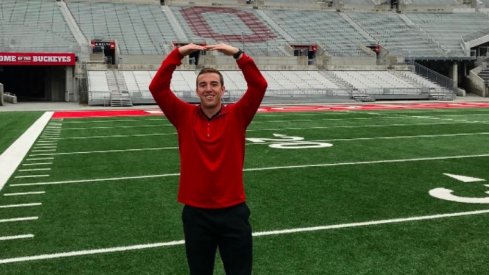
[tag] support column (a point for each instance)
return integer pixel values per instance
(70, 95)
(453, 74)
(1, 94)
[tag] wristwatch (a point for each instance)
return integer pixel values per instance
(237, 54)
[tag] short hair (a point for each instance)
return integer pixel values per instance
(208, 70)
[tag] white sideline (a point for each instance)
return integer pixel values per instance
(260, 169)
(12, 157)
(256, 234)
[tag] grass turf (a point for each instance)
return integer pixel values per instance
(372, 172)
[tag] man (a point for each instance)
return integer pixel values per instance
(211, 139)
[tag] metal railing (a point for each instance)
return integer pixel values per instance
(433, 76)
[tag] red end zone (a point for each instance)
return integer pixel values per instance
(295, 108)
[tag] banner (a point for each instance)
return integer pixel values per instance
(37, 59)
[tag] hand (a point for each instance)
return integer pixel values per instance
(190, 48)
(224, 48)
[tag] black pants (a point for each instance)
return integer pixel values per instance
(227, 229)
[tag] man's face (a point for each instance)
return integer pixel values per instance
(209, 90)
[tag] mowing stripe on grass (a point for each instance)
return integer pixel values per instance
(256, 234)
(21, 205)
(12, 156)
(22, 219)
(7, 238)
(259, 169)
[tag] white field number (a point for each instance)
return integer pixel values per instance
(448, 194)
(289, 142)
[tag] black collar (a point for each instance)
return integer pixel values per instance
(212, 117)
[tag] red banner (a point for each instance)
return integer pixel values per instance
(37, 59)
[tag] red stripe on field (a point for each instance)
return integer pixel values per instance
(295, 108)
(369, 107)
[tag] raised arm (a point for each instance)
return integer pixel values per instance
(257, 85)
(160, 85)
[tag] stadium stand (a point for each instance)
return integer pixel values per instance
(331, 31)
(354, 49)
(449, 28)
(393, 33)
(138, 28)
(231, 25)
(34, 26)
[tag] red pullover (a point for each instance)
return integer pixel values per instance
(211, 150)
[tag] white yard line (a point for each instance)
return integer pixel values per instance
(112, 120)
(44, 147)
(21, 205)
(369, 223)
(113, 127)
(401, 137)
(107, 151)
(22, 219)
(34, 169)
(43, 150)
(365, 162)
(94, 180)
(7, 238)
(12, 157)
(277, 129)
(38, 163)
(25, 193)
(256, 234)
(358, 126)
(260, 169)
(31, 176)
(39, 153)
(46, 158)
(122, 136)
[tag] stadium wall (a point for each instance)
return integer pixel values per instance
(223, 62)
(476, 84)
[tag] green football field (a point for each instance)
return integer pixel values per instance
(364, 192)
